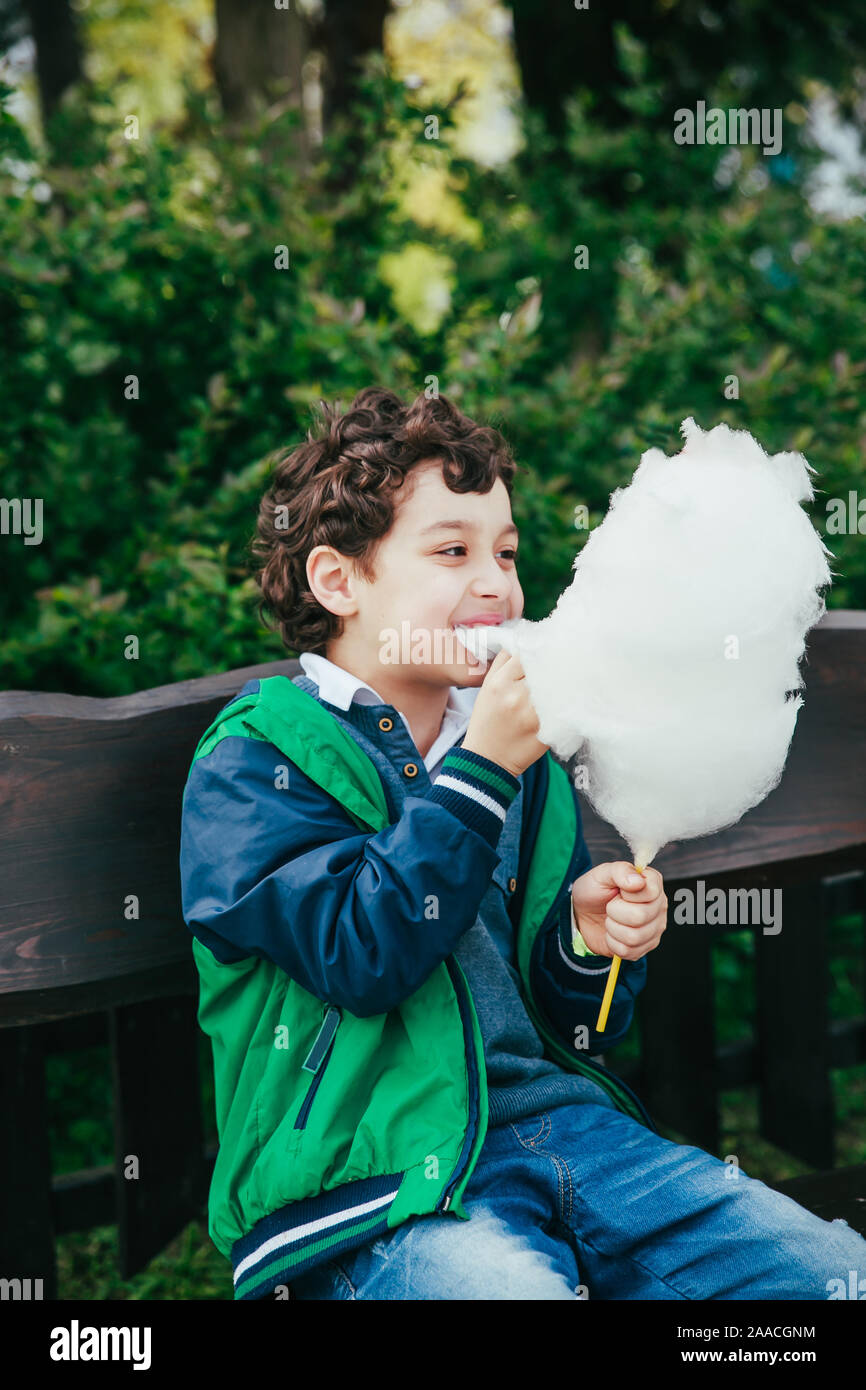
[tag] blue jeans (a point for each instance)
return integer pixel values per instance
(584, 1202)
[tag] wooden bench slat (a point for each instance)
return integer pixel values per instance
(45, 1005)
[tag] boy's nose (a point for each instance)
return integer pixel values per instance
(492, 582)
(496, 588)
(493, 597)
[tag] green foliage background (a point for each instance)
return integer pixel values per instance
(155, 258)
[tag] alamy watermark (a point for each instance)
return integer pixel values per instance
(77, 1343)
(734, 127)
(740, 907)
(421, 646)
(854, 1288)
(22, 516)
(20, 1290)
(846, 516)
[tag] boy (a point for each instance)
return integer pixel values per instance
(402, 942)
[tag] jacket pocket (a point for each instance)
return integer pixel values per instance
(317, 1060)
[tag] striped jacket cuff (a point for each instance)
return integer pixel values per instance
(476, 790)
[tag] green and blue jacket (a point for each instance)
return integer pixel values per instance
(350, 1088)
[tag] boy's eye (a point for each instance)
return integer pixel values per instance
(510, 552)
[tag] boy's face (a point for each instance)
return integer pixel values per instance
(434, 576)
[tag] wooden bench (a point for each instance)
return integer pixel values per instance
(93, 949)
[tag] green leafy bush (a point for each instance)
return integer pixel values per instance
(155, 358)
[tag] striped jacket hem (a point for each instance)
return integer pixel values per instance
(295, 1238)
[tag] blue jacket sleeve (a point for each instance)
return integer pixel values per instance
(569, 988)
(358, 919)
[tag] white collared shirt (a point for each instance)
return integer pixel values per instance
(339, 687)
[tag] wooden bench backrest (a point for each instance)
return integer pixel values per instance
(90, 801)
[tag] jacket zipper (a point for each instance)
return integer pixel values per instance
(317, 1059)
(474, 1087)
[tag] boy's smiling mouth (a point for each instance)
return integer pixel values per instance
(487, 619)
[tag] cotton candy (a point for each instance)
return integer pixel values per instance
(672, 660)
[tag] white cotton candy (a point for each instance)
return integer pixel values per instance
(667, 660)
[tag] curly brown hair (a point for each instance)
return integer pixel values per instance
(338, 489)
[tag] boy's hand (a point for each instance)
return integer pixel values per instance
(503, 723)
(618, 912)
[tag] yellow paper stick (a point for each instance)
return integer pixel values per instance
(611, 981)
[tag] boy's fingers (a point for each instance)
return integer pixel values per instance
(654, 880)
(499, 660)
(635, 887)
(647, 894)
(504, 658)
(631, 938)
(629, 914)
(624, 876)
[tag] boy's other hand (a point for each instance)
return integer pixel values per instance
(503, 724)
(618, 912)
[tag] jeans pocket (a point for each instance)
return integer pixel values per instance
(532, 1131)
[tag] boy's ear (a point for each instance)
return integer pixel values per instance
(330, 577)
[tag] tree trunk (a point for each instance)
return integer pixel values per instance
(347, 31)
(258, 58)
(58, 51)
(559, 48)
